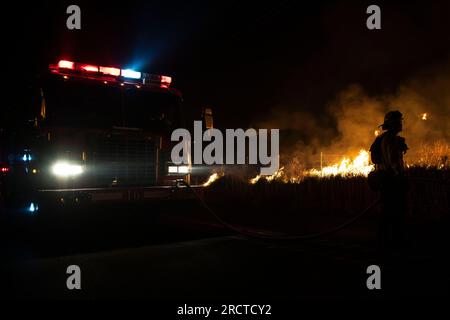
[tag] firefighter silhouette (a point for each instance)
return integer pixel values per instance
(387, 154)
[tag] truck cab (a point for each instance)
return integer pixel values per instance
(85, 133)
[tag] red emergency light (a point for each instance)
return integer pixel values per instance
(4, 169)
(110, 71)
(87, 67)
(64, 64)
(165, 81)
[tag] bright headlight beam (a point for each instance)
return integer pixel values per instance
(66, 169)
(183, 169)
(179, 169)
(173, 169)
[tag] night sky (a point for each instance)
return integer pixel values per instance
(244, 60)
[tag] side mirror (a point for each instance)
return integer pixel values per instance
(207, 118)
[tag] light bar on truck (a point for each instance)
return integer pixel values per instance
(103, 73)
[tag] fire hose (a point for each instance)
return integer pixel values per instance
(266, 235)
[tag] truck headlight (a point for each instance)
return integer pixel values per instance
(178, 169)
(183, 169)
(66, 169)
(173, 169)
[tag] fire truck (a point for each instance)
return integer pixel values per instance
(84, 133)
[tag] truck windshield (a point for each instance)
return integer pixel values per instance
(95, 104)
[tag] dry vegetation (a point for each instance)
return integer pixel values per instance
(324, 201)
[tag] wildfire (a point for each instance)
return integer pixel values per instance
(211, 179)
(424, 116)
(376, 133)
(278, 175)
(359, 166)
(347, 167)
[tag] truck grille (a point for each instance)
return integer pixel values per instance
(124, 161)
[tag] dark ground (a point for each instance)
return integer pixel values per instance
(184, 255)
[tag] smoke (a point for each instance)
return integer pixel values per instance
(351, 119)
(425, 95)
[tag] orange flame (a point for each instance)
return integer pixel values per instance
(359, 166)
(211, 179)
(278, 175)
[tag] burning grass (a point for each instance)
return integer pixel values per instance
(319, 202)
(436, 154)
(294, 172)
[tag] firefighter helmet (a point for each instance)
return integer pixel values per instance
(392, 118)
